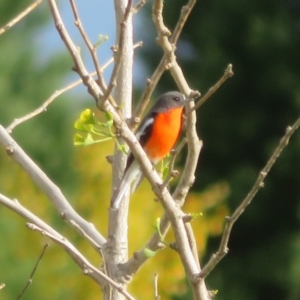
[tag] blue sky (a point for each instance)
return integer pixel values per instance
(97, 18)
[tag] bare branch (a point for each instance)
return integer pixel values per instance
(43, 107)
(185, 12)
(87, 267)
(20, 16)
(150, 86)
(37, 224)
(132, 265)
(87, 237)
(155, 283)
(173, 211)
(172, 161)
(227, 74)
(88, 44)
(138, 6)
(47, 186)
(118, 52)
(259, 183)
(29, 281)
(88, 81)
(116, 248)
(176, 72)
(152, 82)
(190, 260)
(192, 241)
(15, 206)
(92, 50)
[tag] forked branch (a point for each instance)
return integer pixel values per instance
(259, 183)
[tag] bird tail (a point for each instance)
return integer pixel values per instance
(133, 174)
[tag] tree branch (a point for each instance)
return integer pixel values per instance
(37, 224)
(47, 186)
(56, 94)
(174, 213)
(138, 6)
(86, 266)
(187, 178)
(259, 183)
(182, 239)
(88, 81)
(160, 69)
(29, 281)
(116, 248)
(119, 50)
(20, 16)
(172, 162)
(43, 107)
(227, 74)
(92, 49)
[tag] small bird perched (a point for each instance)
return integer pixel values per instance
(157, 134)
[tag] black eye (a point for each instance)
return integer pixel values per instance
(176, 99)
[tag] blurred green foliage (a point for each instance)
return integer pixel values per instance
(28, 76)
(240, 126)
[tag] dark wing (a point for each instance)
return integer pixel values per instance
(142, 134)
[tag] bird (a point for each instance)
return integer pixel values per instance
(157, 133)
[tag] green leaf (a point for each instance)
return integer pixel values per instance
(101, 39)
(89, 140)
(86, 121)
(79, 126)
(87, 117)
(109, 116)
(110, 123)
(157, 227)
(149, 253)
(196, 215)
(78, 140)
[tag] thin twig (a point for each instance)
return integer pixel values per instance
(88, 43)
(87, 267)
(138, 6)
(155, 283)
(118, 54)
(185, 251)
(174, 213)
(161, 67)
(43, 107)
(185, 12)
(145, 98)
(185, 182)
(29, 281)
(172, 161)
(92, 49)
(87, 237)
(51, 190)
(20, 16)
(2, 285)
(259, 183)
(227, 74)
(192, 241)
(88, 81)
(38, 224)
